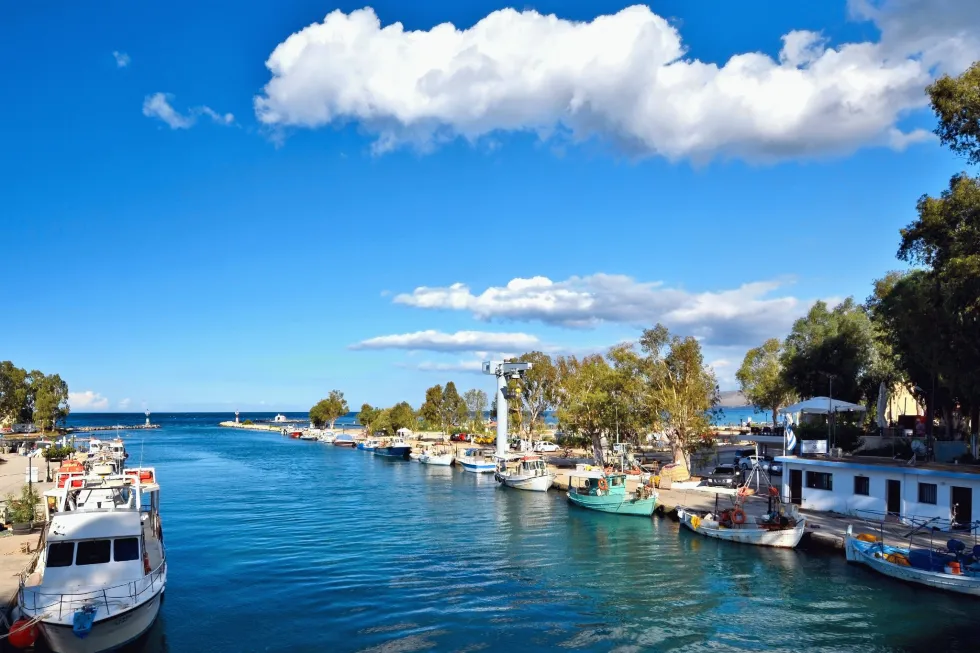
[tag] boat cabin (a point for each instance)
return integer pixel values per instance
(85, 549)
(591, 483)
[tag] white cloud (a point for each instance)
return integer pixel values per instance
(124, 403)
(623, 78)
(465, 366)
(159, 106)
(445, 342)
(741, 316)
(87, 400)
(122, 59)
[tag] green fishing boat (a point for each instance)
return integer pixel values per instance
(607, 493)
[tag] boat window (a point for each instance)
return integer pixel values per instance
(126, 548)
(60, 554)
(92, 552)
(615, 481)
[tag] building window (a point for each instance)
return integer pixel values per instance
(820, 481)
(927, 493)
(862, 485)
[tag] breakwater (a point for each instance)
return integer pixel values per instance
(115, 427)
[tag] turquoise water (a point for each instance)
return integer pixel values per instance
(283, 545)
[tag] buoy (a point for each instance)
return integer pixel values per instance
(23, 633)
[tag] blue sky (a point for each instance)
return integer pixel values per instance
(205, 213)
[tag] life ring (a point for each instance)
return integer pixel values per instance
(773, 491)
(603, 484)
(738, 516)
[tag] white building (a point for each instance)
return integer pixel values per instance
(872, 487)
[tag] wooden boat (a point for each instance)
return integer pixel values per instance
(477, 461)
(530, 473)
(345, 440)
(439, 454)
(782, 528)
(393, 449)
(98, 580)
(607, 493)
(951, 571)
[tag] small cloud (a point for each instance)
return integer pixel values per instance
(159, 106)
(460, 341)
(122, 59)
(87, 400)
(721, 362)
(124, 403)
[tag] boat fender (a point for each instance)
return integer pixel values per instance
(738, 516)
(603, 484)
(82, 621)
(23, 633)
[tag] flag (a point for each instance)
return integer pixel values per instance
(790, 436)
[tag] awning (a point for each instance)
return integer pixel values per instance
(822, 406)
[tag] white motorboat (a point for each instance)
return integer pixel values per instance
(439, 454)
(97, 582)
(327, 436)
(530, 473)
(953, 571)
(477, 461)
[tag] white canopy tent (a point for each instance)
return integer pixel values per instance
(823, 405)
(404, 431)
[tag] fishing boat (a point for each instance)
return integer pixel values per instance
(439, 454)
(530, 473)
(97, 581)
(296, 435)
(396, 448)
(345, 440)
(782, 526)
(477, 461)
(368, 445)
(954, 570)
(604, 492)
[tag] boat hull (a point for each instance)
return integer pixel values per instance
(615, 503)
(861, 552)
(401, 453)
(444, 461)
(525, 482)
(365, 447)
(780, 539)
(344, 443)
(108, 634)
(478, 468)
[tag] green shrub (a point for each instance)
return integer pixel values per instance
(23, 509)
(248, 422)
(58, 453)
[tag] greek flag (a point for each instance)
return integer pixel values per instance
(790, 436)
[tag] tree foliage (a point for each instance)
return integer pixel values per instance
(431, 409)
(536, 390)
(329, 410)
(583, 399)
(401, 416)
(761, 378)
(956, 101)
(368, 417)
(476, 404)
(453, 408)
(32, 396)
(829, 345)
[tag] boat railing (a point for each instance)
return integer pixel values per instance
(122, 596)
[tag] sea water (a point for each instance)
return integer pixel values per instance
(277, 544)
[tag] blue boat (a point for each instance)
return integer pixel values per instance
(393, 449)
(477, 461)
(607, 493)
(367, 445)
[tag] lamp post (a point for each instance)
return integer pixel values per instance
(830, 406)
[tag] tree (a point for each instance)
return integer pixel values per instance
(368, 417)
(453, 407)
(956, 101)
(476, 404)
(328, 410)
(431, 409)
(682, 390)
(50, 394)
(829, 345)
(761, 378)
(583, 399)
(401, 416)
(14, 394)
(536, 389)
(628, 398)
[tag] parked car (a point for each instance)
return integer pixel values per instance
(742, 453)
(767, 463)
(546, 447)
(460, 437)
(724, 476)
